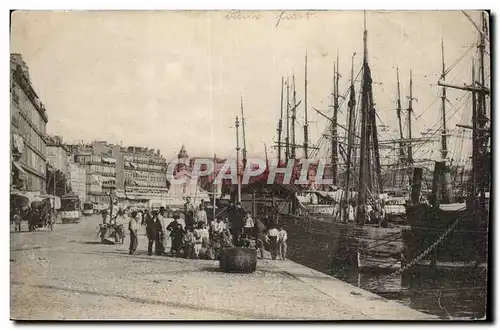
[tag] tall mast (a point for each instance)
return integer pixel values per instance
(398, 111)
(237, 123)
(306, 124)
(481, 47)
(334, 121)
(280, 124)
(214, 188)
(480, 137)
(294, 116)
(481, 112)
(402, 159)
(244, 138)
(287, 140)
(364, 155)
(475, 140)
(376, 152)
(444, 148)
(350, 135)
(410, 110)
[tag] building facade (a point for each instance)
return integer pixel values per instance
(28, 131)
(57, 155)
(144, 176)
(100, 167)
(177, 193)
(78, 180)
(134, 175)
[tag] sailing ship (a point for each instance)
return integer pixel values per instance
(315, 235)
(446, 233)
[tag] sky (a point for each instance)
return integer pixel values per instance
(163, 79)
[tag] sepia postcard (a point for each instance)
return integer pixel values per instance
(250, 165)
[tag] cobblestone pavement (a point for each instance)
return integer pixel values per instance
(69, 274)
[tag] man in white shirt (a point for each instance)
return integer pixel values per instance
(201, 214)
(220, 226)
(202, 238)
(249, 224)
(133, 227)
(282, 238)
(351, 214)
(273, 241)
(162, 218)
(335, 211)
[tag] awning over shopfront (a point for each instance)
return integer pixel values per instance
(20, 196)
(18, 193)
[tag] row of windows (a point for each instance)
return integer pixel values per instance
(102, 169)
(146, 176)
(33, 160)
(139, 183)
(99, 198)
(144, 159)
(28, 108)
(109, 181)
(83, 159)
(145, 191)
(35, 183)
(91, 159)
(147, 167)
(31, 136)
(94, 188)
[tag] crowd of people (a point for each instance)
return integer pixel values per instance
(190, 234)
(37, 214)
(369, 213)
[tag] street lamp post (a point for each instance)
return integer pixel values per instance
(110, 205)
(54, 204)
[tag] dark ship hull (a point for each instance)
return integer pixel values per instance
(463, 249)
(330, 247)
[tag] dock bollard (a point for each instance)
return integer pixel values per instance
(238, 260)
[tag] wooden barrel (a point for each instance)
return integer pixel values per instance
(238, 260)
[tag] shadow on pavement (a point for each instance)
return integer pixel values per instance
(137, 257)
(94, 243)
(28, 248)
(212, 270)
(157, 302)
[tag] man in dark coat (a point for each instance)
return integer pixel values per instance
(176, 233)
(260, 236)
(189, 213)
(237, 220)
(151, 231)
(159, 248)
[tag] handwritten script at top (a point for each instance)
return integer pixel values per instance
(281, 16)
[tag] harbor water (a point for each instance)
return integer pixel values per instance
(450, 295)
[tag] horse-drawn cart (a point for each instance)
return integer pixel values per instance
(40, 215)
(111, 233)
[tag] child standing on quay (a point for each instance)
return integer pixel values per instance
(282, 237)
